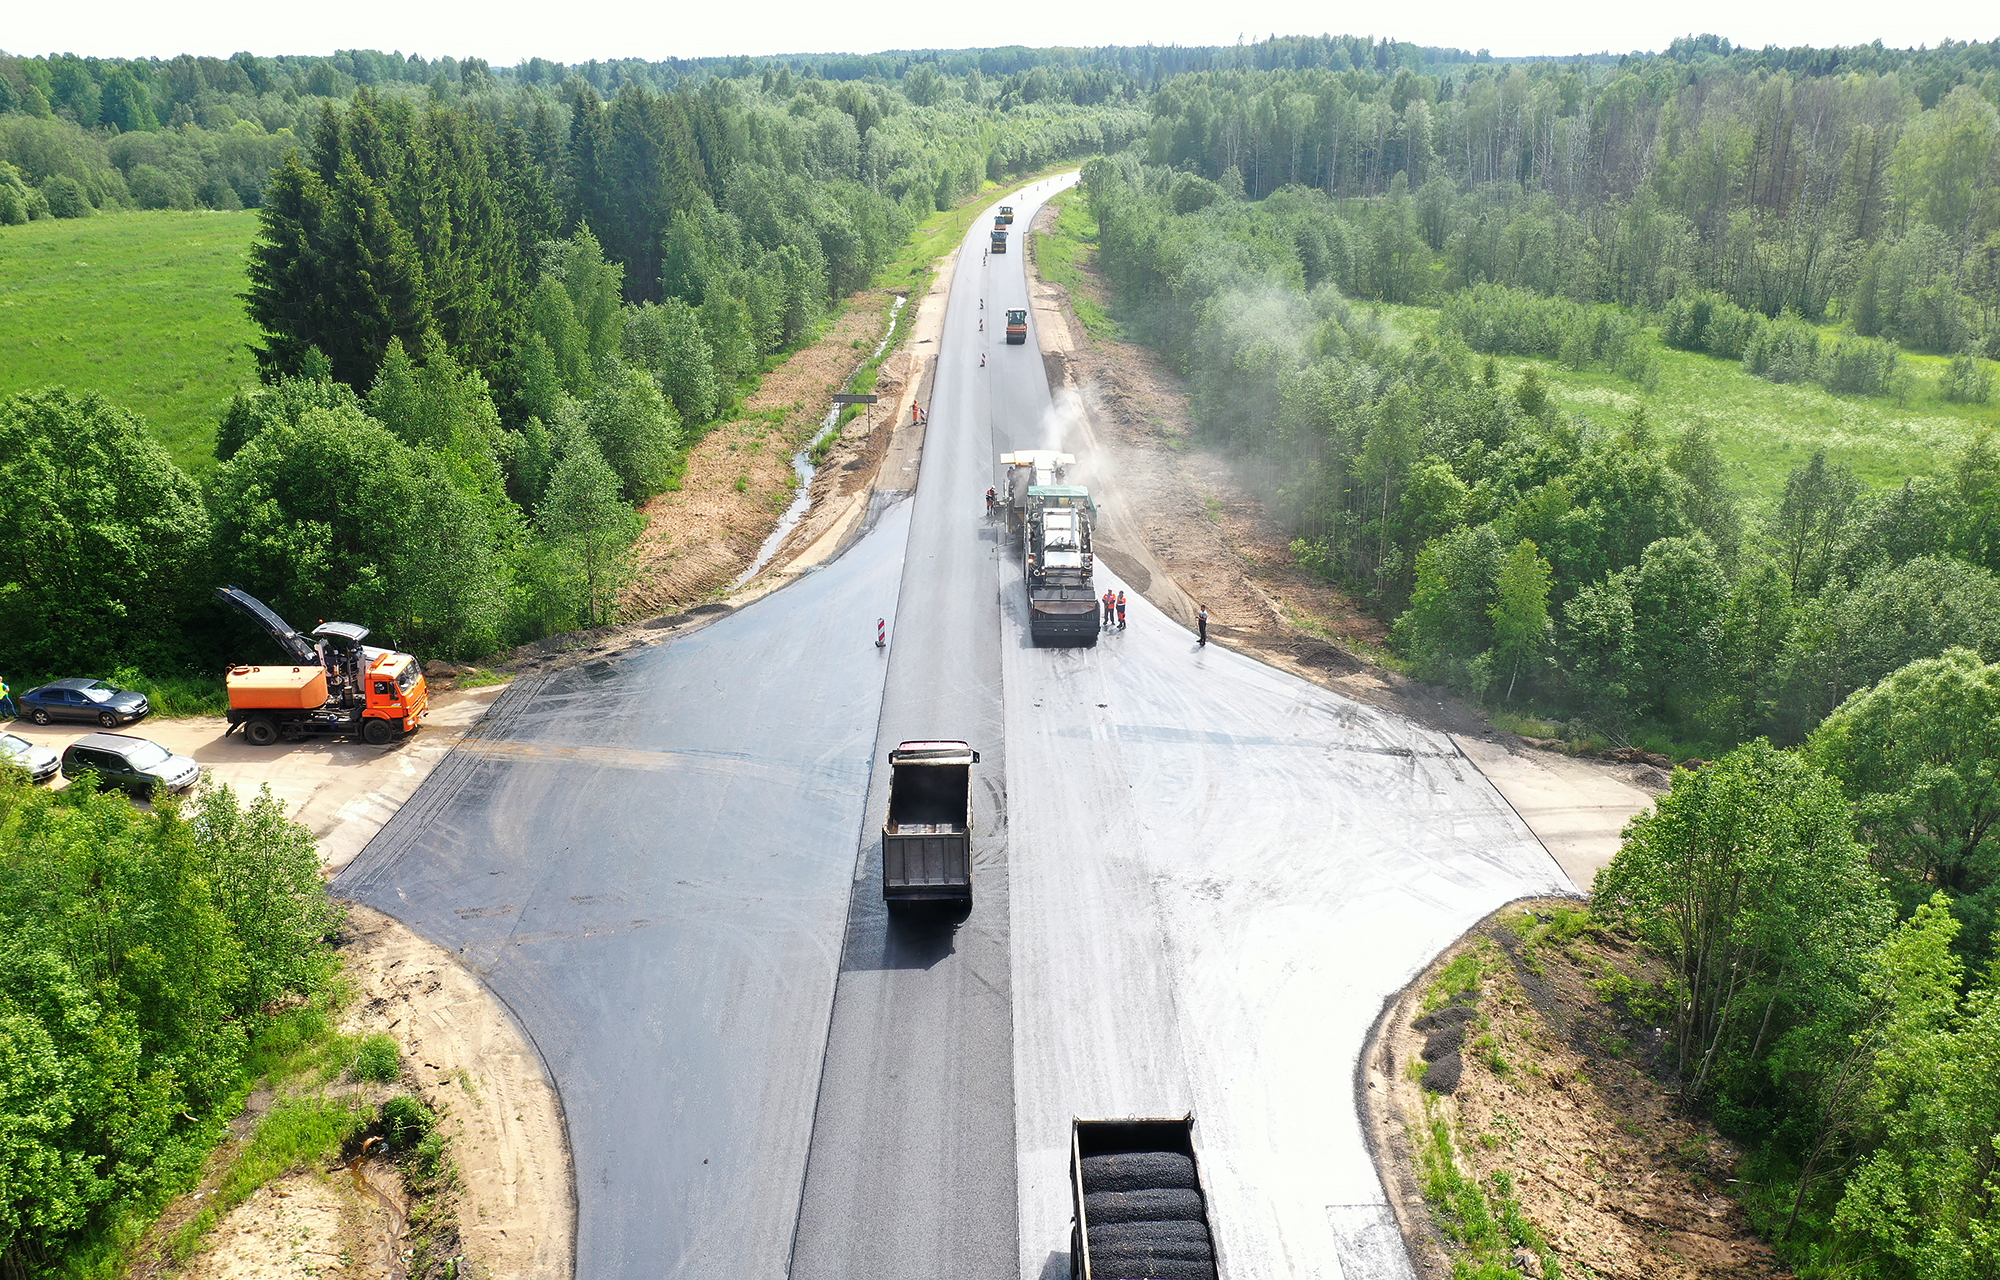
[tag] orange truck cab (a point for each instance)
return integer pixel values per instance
(397, 691)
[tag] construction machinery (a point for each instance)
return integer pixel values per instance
(999, 239)
(335, 685)
(1005, 217)
(1057, 563)
(1017, 326)
(1027, 468)
(927, 837)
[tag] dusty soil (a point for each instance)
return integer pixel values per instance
(466, 1058)
(739, 478)
(303, 1225)
(1189, 526)
(1555, 1090)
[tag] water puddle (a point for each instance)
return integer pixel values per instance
(802, 466)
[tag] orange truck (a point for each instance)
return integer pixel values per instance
(334, 684)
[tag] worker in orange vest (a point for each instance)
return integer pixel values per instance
(1121, 610)
(1110, 608)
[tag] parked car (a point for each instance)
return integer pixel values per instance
(41, 762)
(135, 764)
(87, 700)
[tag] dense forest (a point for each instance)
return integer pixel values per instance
(1570, 212)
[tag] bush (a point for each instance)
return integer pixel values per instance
(1507, 321)
(1787, 350)
(377, 1059)
(406, 1121)
(66, 197)
(1858, 366)
(1710, 323)
(1966, 380)
(155, 188)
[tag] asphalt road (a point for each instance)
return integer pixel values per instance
(648, 860)
(1196, 881)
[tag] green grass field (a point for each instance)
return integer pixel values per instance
(1062, 254)
(138, 307)
(1763, 429)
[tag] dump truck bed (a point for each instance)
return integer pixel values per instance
(927, 837)
(1140, 1213)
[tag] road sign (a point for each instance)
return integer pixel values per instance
(855, 399)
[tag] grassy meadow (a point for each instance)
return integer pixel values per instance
(138, 307)
(1763, 429)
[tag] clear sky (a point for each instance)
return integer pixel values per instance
(506, 31)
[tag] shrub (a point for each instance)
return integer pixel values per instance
(1966, 380)
(1787, 350)
(406, 1121)
(66, 197)
(1858, 366)
(377, 1059)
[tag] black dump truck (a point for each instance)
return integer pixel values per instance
(927, 839)
(1140, 1211)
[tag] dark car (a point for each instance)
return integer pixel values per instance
(41, 762)
(135, 764)
(88, 700)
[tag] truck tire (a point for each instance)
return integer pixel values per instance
(1106, 1255)
(260, 732)
(1162, 1269)
(377, 732)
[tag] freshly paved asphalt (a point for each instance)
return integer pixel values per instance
(648, 860)
(1196, 880)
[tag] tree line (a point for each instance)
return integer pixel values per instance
(1827, 921)
(1858, 189)
(1415, 475)
(493, 322)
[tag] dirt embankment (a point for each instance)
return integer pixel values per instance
(1188, 526)
(1541, 1092)
(700, 537)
